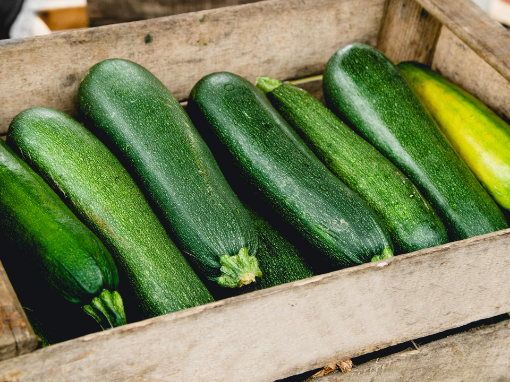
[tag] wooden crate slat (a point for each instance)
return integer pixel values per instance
(250, 40)
(103, 12)
(294, 327)
(488, 38)
(461, 65)
(408, 32)
(480, 354)
(16, 335)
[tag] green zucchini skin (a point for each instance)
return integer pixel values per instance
(97, 188)
(291, 180)
(148, 130)
(477, 134)
(280, 260)
(364, 88)
(411, 222)
(38, 226)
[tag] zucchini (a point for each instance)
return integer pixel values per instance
(477, 134)
(364, 88)
(280, 260)
(411, 222)
(71, 260)
(151, 134)
(277, 164)
(98, 189)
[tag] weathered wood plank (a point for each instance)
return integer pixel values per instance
(461, 65)
(16, 335)
(103, 12)
(408, 32)
(488, 38)
(294, 327)
(281, 38)
(481, 354)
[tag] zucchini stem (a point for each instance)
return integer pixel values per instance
(107, 309)
(385, 254)
(238, 270)
(267, 84)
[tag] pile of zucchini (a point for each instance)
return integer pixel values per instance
(250, 187)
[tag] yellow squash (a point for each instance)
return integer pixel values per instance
(478, 135)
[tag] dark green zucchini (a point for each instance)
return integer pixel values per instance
(280, 260)
(364, 88)
(71, 260)
(411, 222)
(151, 134)
(98, 189)
(279, 166)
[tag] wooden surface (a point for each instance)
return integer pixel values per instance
(296, 327)
(461, 65)
(16, 335)
(481, 354)
(103, 12)
(408, 32)
(488, 38)
(284, 39)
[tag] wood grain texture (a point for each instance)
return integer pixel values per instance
(16, 334)
(488, 38)
(481, 354)
(295, 327)
(104, 12)
(408, 32)
(461, 65)
(281, 38)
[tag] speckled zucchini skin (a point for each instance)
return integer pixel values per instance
(98, 189)
(149, 131)
(478, 135)
(280, 259)
(411, 222)
(364, 88)
(37, 225)
(291, 180)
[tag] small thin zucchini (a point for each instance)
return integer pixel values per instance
(411, 222)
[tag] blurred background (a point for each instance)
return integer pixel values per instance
(27, 18)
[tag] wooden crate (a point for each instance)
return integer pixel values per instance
(292, 328)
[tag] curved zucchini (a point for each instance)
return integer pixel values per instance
(98, 189)
(411, 222)
(364, 88)
(71, 260)
(477, 134)
(276, 163)
(151, 134)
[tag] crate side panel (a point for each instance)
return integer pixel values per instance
(295, 327)
(16, 334)
(487, 37)
(408, 32)
(281, 38)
